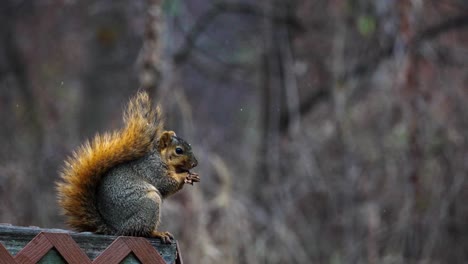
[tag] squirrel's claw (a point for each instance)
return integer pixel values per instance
(165, 237)
(191, 178)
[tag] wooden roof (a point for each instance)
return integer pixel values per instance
(33, 245)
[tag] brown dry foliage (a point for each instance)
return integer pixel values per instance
(326, 131)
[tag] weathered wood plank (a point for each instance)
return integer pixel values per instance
(15, 238)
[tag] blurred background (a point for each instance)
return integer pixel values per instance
(326, 131)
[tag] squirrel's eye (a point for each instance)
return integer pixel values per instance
(179, 151)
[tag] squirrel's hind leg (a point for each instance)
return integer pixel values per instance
(165, 237)
(145, 216)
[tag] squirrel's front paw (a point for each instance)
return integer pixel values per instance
(165, 237)
(191, 178)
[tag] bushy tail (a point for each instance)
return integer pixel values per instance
(84, 169)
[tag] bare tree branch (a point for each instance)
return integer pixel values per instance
(370, 64)
(221, 8)
(305, 106)
(452, 23)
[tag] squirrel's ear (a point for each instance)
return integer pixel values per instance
(165, 139)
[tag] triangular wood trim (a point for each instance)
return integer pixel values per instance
(114, 253)
(68, 248)
(38, 247)
(5, 256)
(34, 250)
(143, 250)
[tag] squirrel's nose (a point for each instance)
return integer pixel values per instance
(195, 163)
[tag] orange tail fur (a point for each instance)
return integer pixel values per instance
(84, 169)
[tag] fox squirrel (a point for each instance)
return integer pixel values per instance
(115, 183)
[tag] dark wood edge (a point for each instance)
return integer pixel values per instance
(179, 259)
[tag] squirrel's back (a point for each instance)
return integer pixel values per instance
(84, 169)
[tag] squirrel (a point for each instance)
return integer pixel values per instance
(115, 184)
